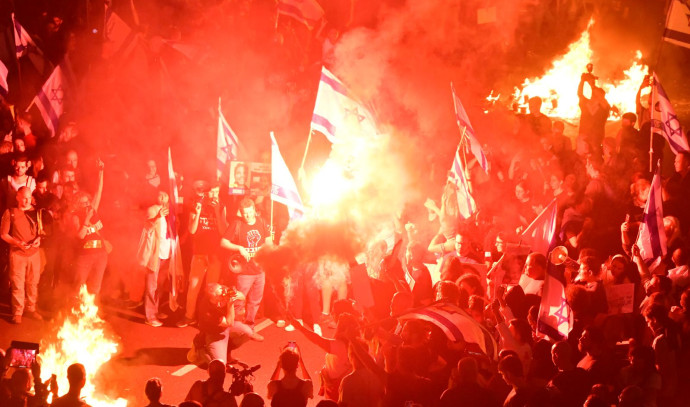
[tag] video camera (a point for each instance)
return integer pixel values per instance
(241, 378)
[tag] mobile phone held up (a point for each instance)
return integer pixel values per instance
(23, 354)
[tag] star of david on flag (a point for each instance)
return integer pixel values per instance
(22, 39)
(665, 121)
(651, 239)
(336, 112)
(49, 100)
(466, 204)
(227, 144)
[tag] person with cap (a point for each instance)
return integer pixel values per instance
(207, 222)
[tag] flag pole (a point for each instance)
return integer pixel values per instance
(300, 172)
(651, 123)
(270, 194)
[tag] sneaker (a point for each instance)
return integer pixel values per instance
(154, 323)
(317, 330)
(33, 315)
(184, 322)
(280, 323)
(289, 328)
(17, 319)
(161, 316)
(256, 337)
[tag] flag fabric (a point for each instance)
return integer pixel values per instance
(4, 87)
(175, 268)
(283, 187)
(307, 12)
(336, 113)
(22, 39)
(540, 232)
(121, 40)
(664, 119)
(555, 316)
(49, 100)
(457, 325)
(227, 144)
(468, 132)
(651, 238)
(677, 23)
(466, 205)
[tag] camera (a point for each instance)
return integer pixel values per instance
(241, 378)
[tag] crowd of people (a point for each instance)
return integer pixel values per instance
(632, 352)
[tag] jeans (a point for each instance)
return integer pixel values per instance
(156, 284)
(89, 266)
(24, 277)
(202, 266)
(252, 286)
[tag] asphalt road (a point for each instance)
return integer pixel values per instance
(146, 352)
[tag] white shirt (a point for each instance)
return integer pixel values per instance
(165, 243)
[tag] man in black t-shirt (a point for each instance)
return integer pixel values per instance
(206, 223)
(243, 239)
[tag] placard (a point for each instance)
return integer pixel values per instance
(620, 298)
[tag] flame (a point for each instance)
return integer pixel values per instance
(81, 339)
(558, 86)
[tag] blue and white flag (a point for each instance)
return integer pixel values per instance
(540, 232)
(175, 268)
(677, 29)
(651, 238)
(4, 87)
(227, 144)
(466, 205)
(555, 315)
(337, 114)
(664, 119)
(49, 100)
(468, 132)
(121, 40)
(22, 39)
(307, 12)
(283, 187)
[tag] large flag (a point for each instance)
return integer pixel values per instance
(336, 113)
(227, 144)
(283, 187)
(49, 100)
(651, 238)
(457, 325)
(307, 12)
(4, 87)
(678, 23)
(175, 268)
(664, 119)
(468, 132)
(22, 39)
(121, 40)
(466, 205)
(540, 232)
(555, 316)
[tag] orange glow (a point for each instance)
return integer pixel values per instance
(558, 86)
(81, 339)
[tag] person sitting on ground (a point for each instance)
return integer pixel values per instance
(290, 391)
(153, 391)
(76, 375)
(210, 393)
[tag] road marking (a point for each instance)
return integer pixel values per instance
(188, 368)
(184, 370)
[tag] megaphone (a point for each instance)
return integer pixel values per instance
(559, 255)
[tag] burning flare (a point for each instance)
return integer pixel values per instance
(81, 339)
(558, 86)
